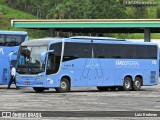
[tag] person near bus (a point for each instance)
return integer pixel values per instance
(13, 77)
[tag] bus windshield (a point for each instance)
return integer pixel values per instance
(11, 40)
(29, 60)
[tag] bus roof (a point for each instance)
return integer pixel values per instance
(13, 32)
(39, 42)
(97, 38)
(107, 40)
(79, 39)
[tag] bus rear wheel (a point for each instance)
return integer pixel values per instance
(64, 86)
(127, 84)
(38, 89)
(137, 84)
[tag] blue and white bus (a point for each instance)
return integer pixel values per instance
(9, 43)
(104, 62)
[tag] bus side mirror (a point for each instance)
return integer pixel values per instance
(43, 55)
(10, 56)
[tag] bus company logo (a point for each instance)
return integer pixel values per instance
(92, 64)
(1, 51)
(154, 62)
(126, 63)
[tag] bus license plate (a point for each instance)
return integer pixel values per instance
(27, 83)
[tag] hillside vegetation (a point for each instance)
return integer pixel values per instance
(7, 13)
(70, 9)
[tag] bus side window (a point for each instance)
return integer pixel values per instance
(54, 58)
(130, 52)
(2, 40)
(152, 52)
(50, 66)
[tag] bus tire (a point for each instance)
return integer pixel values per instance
(127, 84)
(137, 84)
(38, 89)
(64, 86)
(102, 88)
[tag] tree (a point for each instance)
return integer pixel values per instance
(158, 12)
(71, 9)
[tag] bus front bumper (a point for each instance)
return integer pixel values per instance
(31, 83)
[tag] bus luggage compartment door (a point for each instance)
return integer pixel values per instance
(4, 76)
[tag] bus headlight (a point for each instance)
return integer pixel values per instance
(39, 77)
(18, 77)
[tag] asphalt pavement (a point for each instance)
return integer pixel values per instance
(80, 103)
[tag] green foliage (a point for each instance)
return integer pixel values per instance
(37, 33)
(7, 14)
(14, 14)
(69, 9)
(158, 13)
(87, 9)
(78, 9)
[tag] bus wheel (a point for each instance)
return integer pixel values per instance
(102, 88)
(137, 84)
(38, 89)
(127, 84)
(64, 86)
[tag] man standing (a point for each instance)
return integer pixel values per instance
(13, 77)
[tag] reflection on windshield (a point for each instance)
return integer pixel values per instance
(11, 40)
(29, 60)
